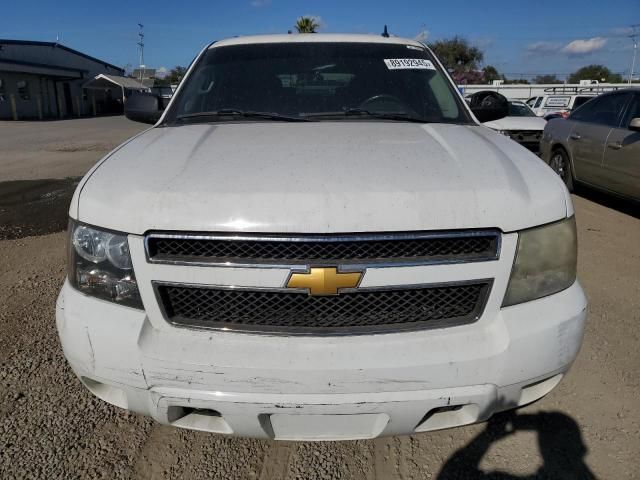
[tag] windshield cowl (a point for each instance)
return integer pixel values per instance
(238, 114)
(356, 112)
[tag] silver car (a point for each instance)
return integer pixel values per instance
(599, 144)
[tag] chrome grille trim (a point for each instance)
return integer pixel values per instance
(485, 287)
(301, 263)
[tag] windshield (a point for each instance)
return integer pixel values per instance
(317, 81)
(520, 110)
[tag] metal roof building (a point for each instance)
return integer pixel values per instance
(45, 80)
(102, 81)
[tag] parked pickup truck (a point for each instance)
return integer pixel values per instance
(315, 240)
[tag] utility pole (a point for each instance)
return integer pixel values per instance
(141, 45)
(634, 39)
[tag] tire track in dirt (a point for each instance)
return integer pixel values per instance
(276, 461)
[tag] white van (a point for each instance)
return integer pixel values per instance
(563, 104)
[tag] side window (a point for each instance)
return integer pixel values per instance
(579, 101)
(609, 109)
(632, 112)
(531, 102)
(603, 110)
(583, 114)
(538, 102)
(2, 98)
(23, 89)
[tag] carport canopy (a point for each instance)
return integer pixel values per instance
(102, 81)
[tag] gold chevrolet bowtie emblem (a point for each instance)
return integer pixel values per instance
(324, 281)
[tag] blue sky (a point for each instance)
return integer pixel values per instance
(517, 37)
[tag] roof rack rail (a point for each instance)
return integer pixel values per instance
(582, 89)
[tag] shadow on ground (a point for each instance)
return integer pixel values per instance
(35, 207)
(559, 439)
(610, 201)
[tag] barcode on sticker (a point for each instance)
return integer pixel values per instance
(408, 63)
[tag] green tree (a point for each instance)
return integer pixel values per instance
(595, 72)
(160, 82)
(307, 25)
(490, 73)
(546, 79)
(457, 55)
(175, 74)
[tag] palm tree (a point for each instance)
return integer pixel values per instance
(307, 25)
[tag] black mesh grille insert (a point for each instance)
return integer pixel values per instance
(361, 310)
(306, 250)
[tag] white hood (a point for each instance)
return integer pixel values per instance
(319, 177)
(517, 123)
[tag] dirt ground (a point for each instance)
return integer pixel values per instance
(70, 147)
(51, 427)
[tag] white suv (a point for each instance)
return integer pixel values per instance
(318, 240)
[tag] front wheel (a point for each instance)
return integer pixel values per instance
(560, 164)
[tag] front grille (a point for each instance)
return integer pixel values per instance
(530, 139)
(525, 134)
(324, 249)
(355, 311)
(532, 146)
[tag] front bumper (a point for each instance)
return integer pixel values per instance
(529, 139)
(321, 388)
(545, 149)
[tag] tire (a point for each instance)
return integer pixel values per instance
(560, 164)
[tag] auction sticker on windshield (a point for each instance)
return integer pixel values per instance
(408, 63)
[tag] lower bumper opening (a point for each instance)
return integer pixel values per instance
(203, 419)
(537, 390)
(108, 393)
(449, 416)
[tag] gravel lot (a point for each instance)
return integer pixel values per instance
(51, 427)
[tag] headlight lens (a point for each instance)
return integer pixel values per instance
(100, 265)
(545, 263)
(117, 248)
(90, 243)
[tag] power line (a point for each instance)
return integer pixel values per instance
(634, 39)
(548, 73)
(141, 45)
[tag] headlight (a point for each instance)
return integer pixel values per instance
(100, 265)
(545, 262)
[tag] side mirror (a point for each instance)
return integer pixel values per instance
(634, 124)
(143, 107)
(488, 106)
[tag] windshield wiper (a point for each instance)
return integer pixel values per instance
(347, 112)
(232, 112)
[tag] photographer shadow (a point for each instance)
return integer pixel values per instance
(559, 439)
